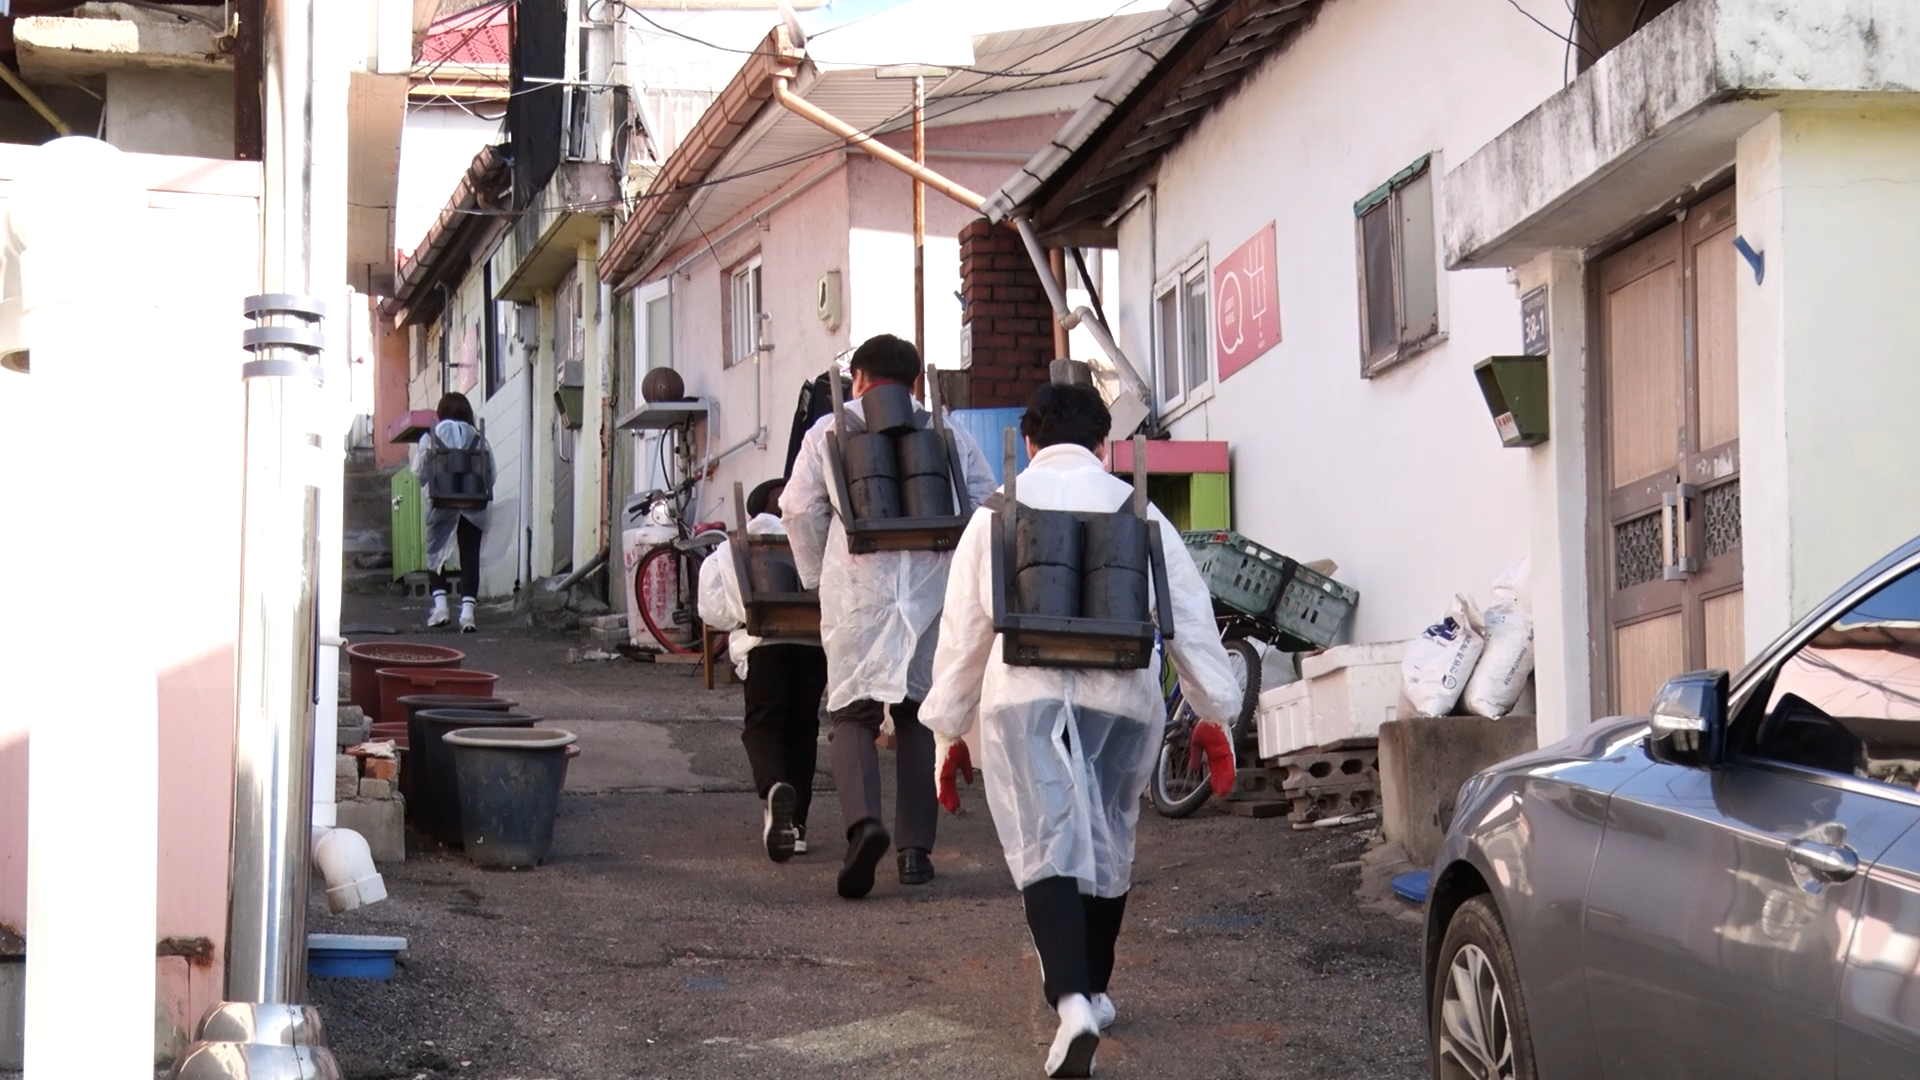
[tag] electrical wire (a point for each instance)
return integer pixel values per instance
(1557, 35)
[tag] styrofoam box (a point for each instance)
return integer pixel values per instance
(1346, 692)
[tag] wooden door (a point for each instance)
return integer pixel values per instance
(1668, 458)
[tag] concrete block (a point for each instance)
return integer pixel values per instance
(345, 765)
(604, 638)
(381, 821)
(376, 789)
(1423, 762)
(605, 622)
(346, 787)
(378, 768)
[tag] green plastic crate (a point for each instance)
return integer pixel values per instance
(1307, 608)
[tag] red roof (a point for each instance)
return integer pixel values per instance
(478, 36)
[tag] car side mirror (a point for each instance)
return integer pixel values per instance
(1690, 720)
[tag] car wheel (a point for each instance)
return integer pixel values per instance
(1477, 1016)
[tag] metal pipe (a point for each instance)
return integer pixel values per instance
(34, 101)
(920, 217)
(273, 770)
(1057, 269)
(860, 140)
(1067, 319)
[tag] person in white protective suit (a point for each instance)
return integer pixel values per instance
(878, 620)
(784, 681)
(1067, 753)
(459, 528)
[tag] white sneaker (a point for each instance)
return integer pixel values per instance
(1074, 1043)
(799, 839)
(467, 625)
(440, 616)
(1103, 1010)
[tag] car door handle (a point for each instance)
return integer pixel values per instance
(1828, 862)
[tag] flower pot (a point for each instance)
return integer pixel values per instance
(510, 780)
(396, 683)
(364, 658)
(412, 788)
(434, 762)
(396, 732)
(352, 956)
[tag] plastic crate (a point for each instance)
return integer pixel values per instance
(1307, 608)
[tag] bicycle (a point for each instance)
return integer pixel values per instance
(687, 550)
(1180, 783)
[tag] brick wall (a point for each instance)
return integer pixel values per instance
(1008, 325)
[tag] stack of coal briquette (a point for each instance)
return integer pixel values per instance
(896, 469)
(1091, 566)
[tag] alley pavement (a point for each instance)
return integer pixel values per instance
(661, 942)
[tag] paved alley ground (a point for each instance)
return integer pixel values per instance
(660, 941)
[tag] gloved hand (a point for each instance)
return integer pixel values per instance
(1211, 739)
(951, 761)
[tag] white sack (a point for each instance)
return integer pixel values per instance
(1440, 661)
(1501, 675)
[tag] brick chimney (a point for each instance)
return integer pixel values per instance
(1007, 320)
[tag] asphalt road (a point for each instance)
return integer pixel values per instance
(660, 941)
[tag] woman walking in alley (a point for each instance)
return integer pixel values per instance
(784, 682)
(454, 465)
(1067, 752)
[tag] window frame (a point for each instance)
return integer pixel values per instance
(1409, 341)
(751, 266)
(1194, 269)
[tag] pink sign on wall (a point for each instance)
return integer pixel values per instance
(1246, 303)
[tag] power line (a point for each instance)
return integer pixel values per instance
(1557, 35)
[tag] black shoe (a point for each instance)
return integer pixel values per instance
(866, 842)
(916, 866)
(777, 832)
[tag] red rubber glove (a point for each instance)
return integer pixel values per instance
(951, 761)
(1213, 741)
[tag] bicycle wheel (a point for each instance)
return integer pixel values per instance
(1179, 785)
(645, 610)
(1244, 660)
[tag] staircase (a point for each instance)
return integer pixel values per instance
(368, 525)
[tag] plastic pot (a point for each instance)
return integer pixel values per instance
(412, 789)
(441, 806)
(510, 781)
(365, 658)
(396, 683)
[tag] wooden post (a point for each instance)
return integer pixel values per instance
(920, 218)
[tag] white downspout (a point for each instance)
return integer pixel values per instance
(78, 216)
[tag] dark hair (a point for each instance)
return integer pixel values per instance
(1066, 414)
(768, 493)
(455, 406)
(887, 358)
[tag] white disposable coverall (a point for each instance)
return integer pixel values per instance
(722, 605)
(879, 612)
(1068, 808)
(443, 524)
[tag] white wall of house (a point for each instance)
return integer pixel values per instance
(1399, 478)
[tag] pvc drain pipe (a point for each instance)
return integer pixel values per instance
(344, 861)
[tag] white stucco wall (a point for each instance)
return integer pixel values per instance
(170, 112)
(1401, 478)
(1829, 369)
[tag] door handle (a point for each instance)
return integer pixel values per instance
(1676, 532)
(1828, 862)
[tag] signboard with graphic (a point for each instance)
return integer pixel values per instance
(1246, 303)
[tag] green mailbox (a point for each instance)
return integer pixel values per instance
(1516, 391)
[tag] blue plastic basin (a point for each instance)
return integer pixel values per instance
(352, 956)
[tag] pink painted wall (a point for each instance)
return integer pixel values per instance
(205, 216)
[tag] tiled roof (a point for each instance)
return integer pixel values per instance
(473, 37)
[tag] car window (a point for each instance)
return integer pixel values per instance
(1848, 701)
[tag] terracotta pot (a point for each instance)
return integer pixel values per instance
(365, 658)
(399, 682)
(396, 732)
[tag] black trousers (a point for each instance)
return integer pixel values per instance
(1074, 935)
(856, 770)
(466, 537)
(782, 734)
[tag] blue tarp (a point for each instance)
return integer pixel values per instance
(986, 426)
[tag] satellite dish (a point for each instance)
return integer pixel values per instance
(792, 21)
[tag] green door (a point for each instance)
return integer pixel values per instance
(409, 525)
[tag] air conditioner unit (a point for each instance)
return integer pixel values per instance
(827, 299)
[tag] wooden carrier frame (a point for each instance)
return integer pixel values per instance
(867, 535)
(792, 617)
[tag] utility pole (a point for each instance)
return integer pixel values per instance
(920, 218)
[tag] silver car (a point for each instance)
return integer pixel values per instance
(1729, 887)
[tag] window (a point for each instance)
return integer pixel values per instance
(494, 341)
(743, 312)
(1848, 701)
(1399, 269)
(1183, 335)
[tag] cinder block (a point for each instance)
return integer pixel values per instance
(346, 787)
(1423, 762)
(376, 789)
(346, 765)
(381, 821)
(379, 768)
